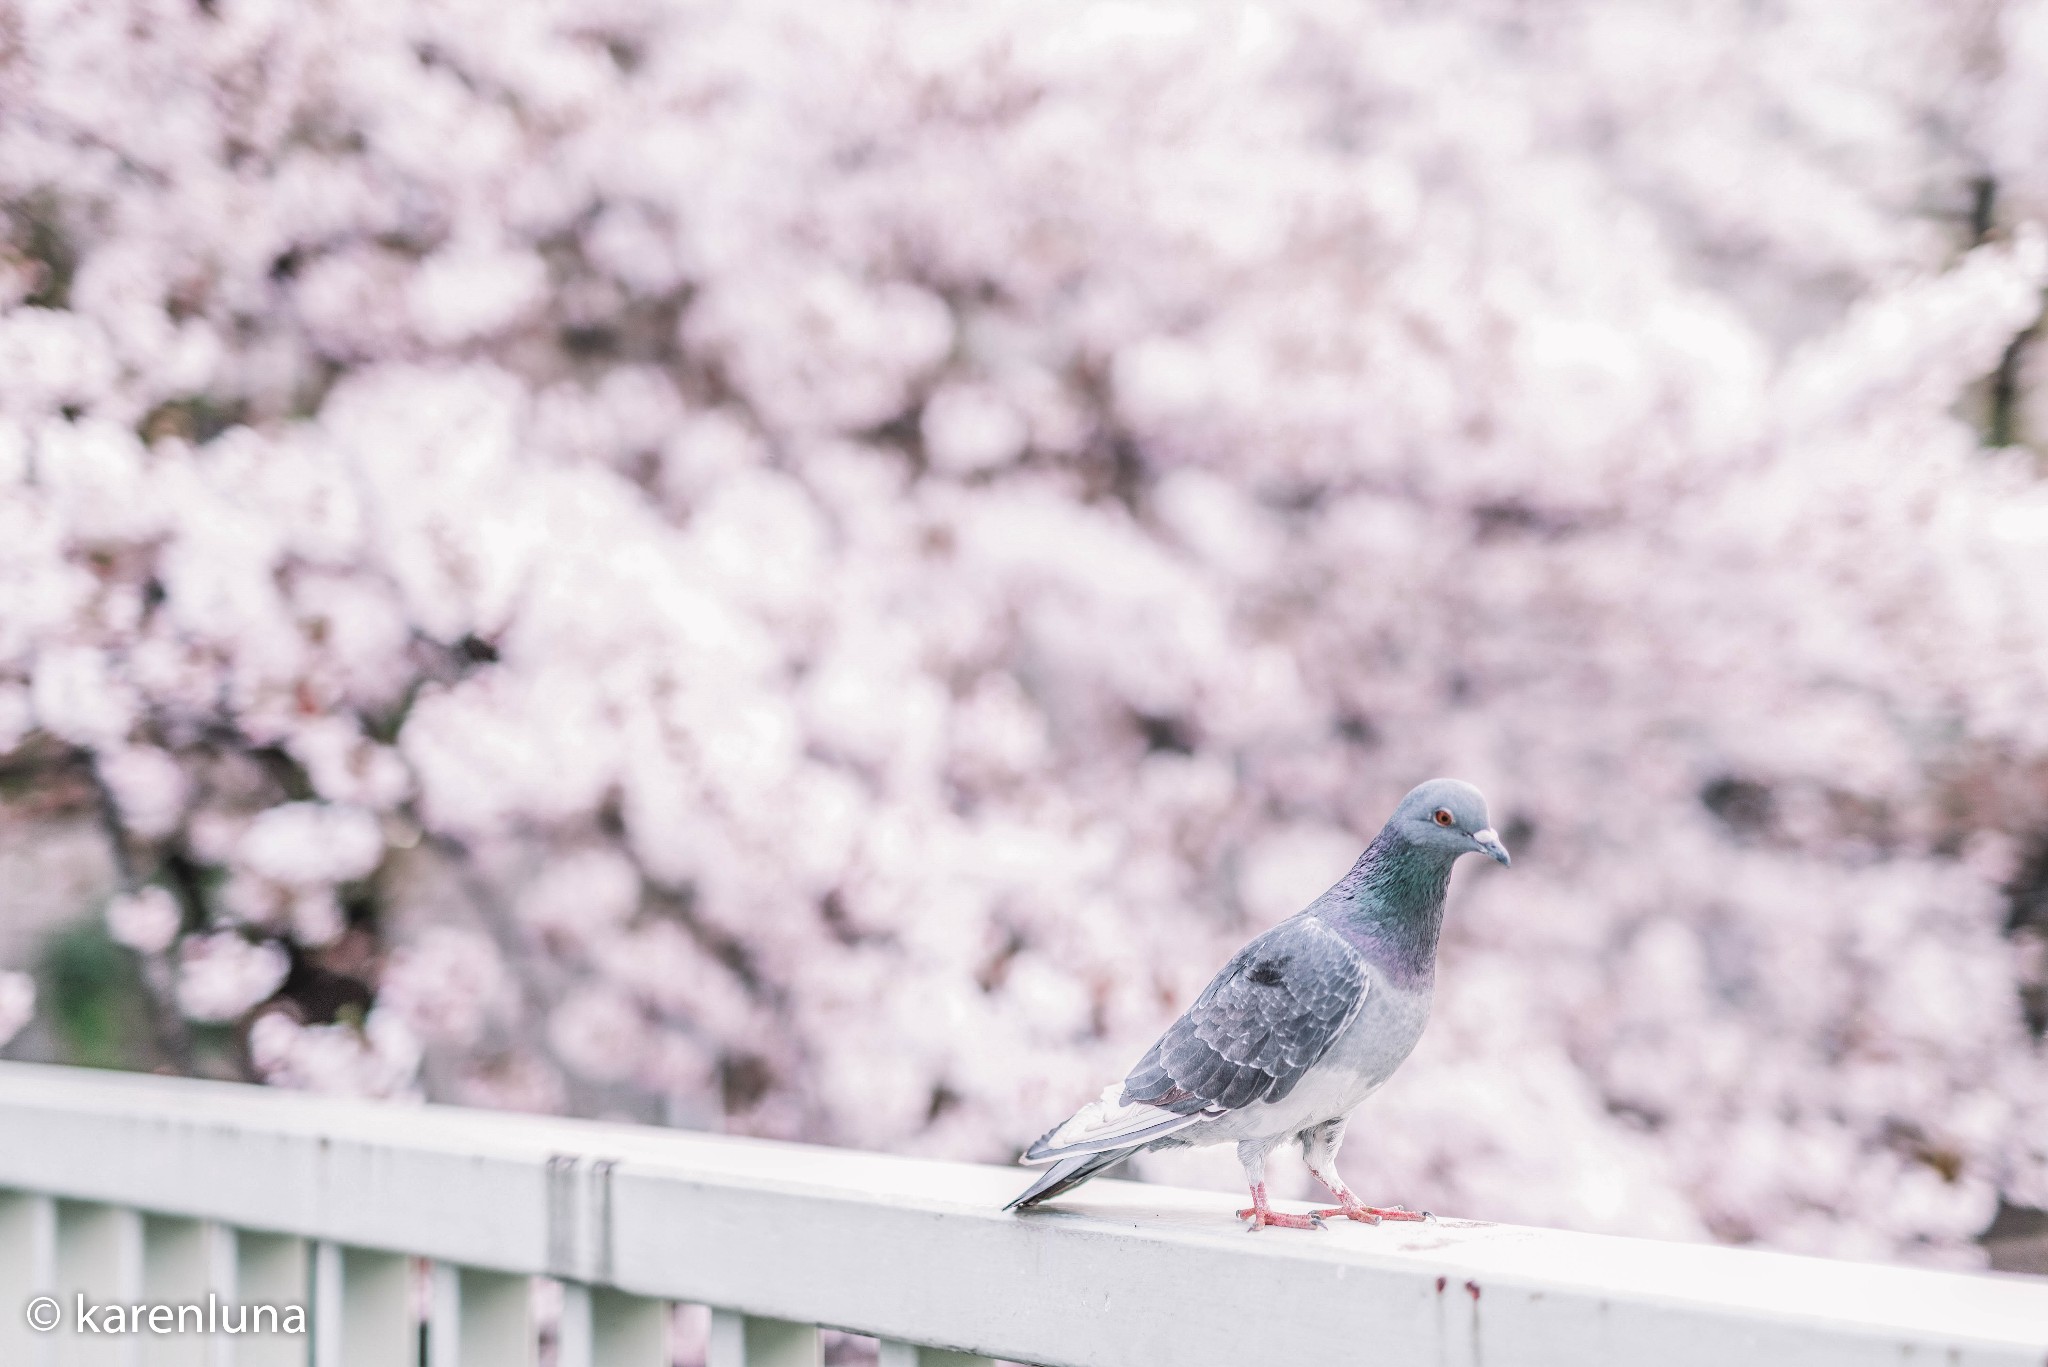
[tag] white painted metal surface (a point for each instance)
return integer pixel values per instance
(780, 1238)
(752, 1341)
(28, 1266)
(177, 1267)
(276, 1270)
(376, 1326)
(605, 1328)
(99, 1255)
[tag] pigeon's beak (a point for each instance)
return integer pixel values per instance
(1489, 841)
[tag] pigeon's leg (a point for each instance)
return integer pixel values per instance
(1252, 1153)
(1319, 1149)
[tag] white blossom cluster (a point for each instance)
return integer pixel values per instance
(816, 568)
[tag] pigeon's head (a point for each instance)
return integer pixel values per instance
(1445, 814)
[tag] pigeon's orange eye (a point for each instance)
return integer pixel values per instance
(1443, 816)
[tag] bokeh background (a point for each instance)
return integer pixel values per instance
(813, 569)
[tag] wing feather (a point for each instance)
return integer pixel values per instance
(1269, 1016)
(1265, 1020)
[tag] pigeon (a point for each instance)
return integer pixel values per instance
(1306, 1022)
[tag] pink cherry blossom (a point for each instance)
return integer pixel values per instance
(220, 976)
(815, 569)
(146, 920)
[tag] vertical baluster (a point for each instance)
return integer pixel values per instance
(326, 1304)
(270, 1270)
(497, 1319)
(223, 1286)
(480, 1319)
(575, 1335)
(444, 1317)
(750, 1341)
(28, 1268)
(376, 1310)
(908, 1355)
(99, 1256)
(177, 1271)
(627, 1331)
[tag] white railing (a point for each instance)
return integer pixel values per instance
(128, 1190)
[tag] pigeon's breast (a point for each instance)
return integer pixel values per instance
(1377, 1042)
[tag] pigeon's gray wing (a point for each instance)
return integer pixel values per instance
(1268, 1017)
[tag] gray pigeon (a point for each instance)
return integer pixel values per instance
(1304, 1024)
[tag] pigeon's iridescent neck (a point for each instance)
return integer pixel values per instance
(1391, 906)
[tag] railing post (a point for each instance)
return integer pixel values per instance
(177, 1271)
(99, 1258)
(274, 1270)
(750, 1341)
(606, 1328)
(909, 1355)
(627, 1331)
(326, 1304)
(480, 1319)
(444, 1317)
(574, 1333)
(377, 1327)
(28, 1267)
(223, 1281)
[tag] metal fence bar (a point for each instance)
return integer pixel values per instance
(28, 1268)
(605, 1328)
(627, 1331)
(574, 1332)
(223, 1280)
(99, 1267)
(753, 1341)
(326, 1304)
(377, 1327)
(177, 1270)
(444, 1316)
(273, 1273)
(481, 1319)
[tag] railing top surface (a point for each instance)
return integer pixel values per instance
(835, 1235)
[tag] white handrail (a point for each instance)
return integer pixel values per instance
(1121, 1275)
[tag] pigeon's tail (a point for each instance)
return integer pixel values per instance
(1109, 1122)
(1069, 1173)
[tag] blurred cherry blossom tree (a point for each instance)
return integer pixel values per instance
(814, 568)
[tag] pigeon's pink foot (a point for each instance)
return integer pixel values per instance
(1258, 1214)
(1372, 1215)
(1259, 1219)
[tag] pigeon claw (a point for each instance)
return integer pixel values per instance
(1256, 1219)
(1372, 1215)
(1361, 1214)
